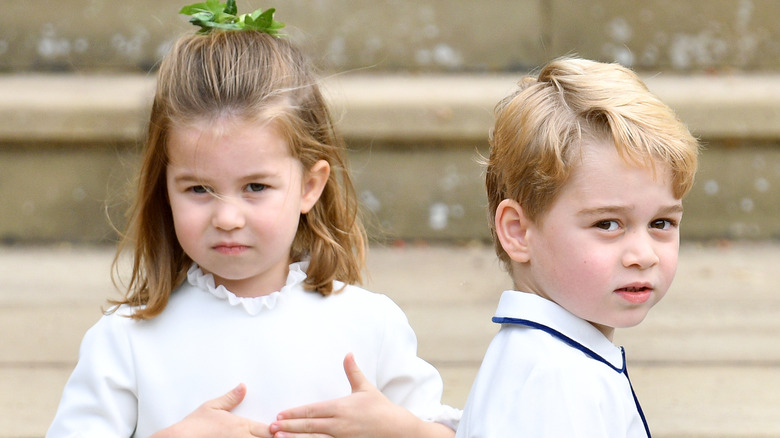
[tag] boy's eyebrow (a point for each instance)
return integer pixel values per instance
(676, 208)
(615, 209)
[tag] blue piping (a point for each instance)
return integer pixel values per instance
(592, 354)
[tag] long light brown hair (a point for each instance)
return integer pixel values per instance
(540, 127)
(254, 76)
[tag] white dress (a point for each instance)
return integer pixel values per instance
(548, 373)
(134, 378)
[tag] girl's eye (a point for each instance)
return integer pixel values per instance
(255, 187)
(199, 189)
(609, 225)
(662, 224)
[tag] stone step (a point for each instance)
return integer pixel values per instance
(380, 107)
(704, 363)
(68, 145)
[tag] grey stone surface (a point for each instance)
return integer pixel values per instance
(67, 108)
(670, 35)
(68, 151)
(406, 35)
(423, 191)
(705, 363)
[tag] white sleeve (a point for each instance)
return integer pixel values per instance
(99, 399)
(405, 378)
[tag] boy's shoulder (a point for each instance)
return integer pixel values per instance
(537, 330)
(525, 362)
(536, 348)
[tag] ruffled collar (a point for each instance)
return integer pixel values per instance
(253, 305)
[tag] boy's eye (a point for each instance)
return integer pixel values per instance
(609, 225)
(255, 187)
(662, 224)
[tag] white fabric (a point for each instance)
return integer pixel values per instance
(532, 384)
(134, 378)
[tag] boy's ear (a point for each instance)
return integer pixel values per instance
(512, 230)
(314, 181)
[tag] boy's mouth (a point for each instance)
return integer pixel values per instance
(636, 294)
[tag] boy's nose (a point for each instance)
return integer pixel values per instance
(228, 215)
(640, 251)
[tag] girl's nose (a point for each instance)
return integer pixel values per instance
(228, 215)
(640, 251)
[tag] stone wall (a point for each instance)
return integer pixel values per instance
(408, 35)
(413, 96)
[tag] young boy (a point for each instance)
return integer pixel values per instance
(585, 178)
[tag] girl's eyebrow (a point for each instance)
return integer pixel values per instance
(188, 178)
(192, 178)
(257, 175)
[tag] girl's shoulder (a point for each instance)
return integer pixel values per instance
(111, 333)
(117, 319)
(358, 293)
(354, 298)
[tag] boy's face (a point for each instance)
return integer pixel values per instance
(607, 248)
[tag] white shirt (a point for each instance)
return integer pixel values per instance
(548, 373)
(134, 378)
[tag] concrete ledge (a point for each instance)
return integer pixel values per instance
(73, 108)
(67, 152)
(393, 108)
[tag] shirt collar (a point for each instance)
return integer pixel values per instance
(542, 312)
(253, 305)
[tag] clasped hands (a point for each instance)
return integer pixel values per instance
(366, 412)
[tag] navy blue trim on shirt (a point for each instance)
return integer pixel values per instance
(587, 351)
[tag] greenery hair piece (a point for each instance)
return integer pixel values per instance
(212, 15)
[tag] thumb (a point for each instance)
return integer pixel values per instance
(357, 380)
(230, 400)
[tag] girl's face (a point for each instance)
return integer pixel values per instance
(236, 194)
(607, 248)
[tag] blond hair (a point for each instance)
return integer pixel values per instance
(257, 77)
(540, 127)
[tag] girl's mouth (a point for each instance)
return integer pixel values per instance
(230, 249)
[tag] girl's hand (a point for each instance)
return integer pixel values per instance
(365, 413)
(213, 418)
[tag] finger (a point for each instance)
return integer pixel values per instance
(357, 380)
(260, 430)
(301, 435)
(230, 400)
(312, 427)
(326, 409)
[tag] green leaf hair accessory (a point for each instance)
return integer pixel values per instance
(212, 15)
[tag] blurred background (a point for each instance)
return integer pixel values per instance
(413, 85)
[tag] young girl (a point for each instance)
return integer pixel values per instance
(245, 243)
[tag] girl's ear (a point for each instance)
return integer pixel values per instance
(512, 230)
(313, 183)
